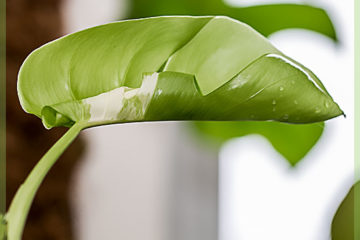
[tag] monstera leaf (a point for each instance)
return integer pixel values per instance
(210, 68)
(266, 19)
(343, 225)
(157, 69)
(292, 142)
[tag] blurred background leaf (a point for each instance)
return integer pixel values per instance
(2, 227)
(291, 141)
(343, 223)
(266, 19)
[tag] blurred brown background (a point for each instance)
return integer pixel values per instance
(31, 23)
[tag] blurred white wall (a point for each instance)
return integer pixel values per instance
(121, 187)
(81, 14)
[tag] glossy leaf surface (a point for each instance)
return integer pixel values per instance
(267, 19)
(210, 68)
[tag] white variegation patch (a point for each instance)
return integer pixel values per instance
(123, 103)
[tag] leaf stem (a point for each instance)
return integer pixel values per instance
(23, 199)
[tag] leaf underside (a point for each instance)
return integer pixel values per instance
(209, 68)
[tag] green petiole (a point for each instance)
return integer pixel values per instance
(23, 199)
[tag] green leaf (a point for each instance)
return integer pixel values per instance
(267, 19)
(292, 141)
(343, 225)
(210, 68)
(157, 69)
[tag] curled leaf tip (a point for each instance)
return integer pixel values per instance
(52, 118)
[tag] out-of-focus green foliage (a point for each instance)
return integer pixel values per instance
(344, 221)
(267, 19)
(2, 227)
(292, 141)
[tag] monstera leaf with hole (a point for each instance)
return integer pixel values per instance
(292, 142)
(158, 69)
